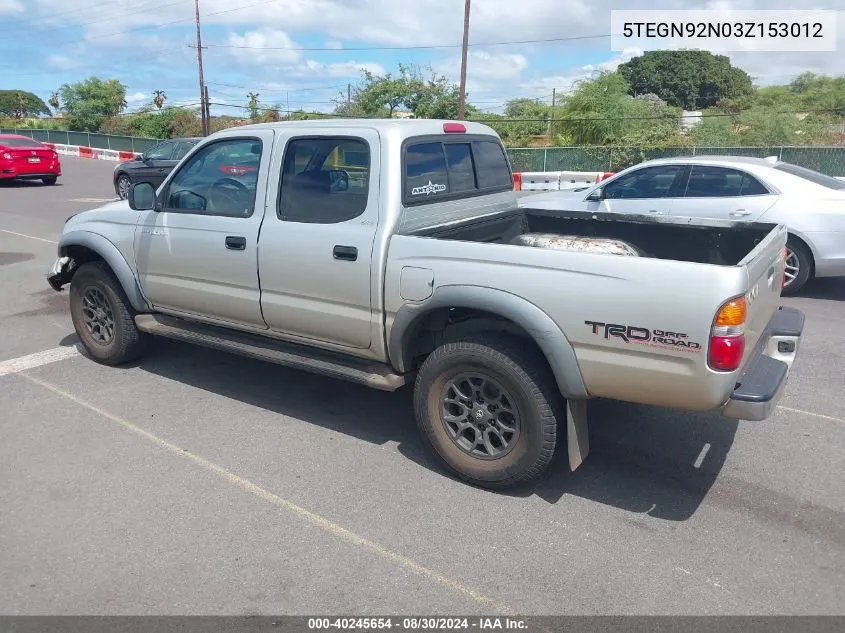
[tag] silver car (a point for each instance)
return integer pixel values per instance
(737, 188)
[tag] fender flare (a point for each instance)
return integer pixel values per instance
(539, 325)
(114, 258)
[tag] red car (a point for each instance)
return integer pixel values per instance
(24, 158)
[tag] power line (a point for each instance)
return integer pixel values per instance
(563, 120)
(548, 40)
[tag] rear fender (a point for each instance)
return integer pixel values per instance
(539, 325)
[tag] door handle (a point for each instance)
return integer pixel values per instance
(235, 242)
(655, 211)
(348, 253)
(740, 213)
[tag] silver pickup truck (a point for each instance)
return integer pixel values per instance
(391, 252)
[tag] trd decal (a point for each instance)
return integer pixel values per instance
(642, 335)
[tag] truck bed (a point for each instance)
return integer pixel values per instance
(657, 237)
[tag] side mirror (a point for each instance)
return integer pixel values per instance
(142, 197)
(596, 195)
(340, 180)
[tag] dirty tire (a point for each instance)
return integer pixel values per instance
(523, 373)
(805, 267)
(126, 343)
(50, 180)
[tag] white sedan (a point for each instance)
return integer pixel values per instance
(737, 188)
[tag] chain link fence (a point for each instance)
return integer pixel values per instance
(827, 160)
(87, 139)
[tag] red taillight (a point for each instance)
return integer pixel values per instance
(726, 352)
(727, 336)
(454, 128)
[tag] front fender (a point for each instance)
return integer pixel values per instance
(539, 325)
(111, 255)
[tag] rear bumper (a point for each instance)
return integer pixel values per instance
(764, 377)
(18, 174)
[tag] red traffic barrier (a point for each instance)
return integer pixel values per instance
(517, 181)
(604, 176)
(86, 152)
(126, 156)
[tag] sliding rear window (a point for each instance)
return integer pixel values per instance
(437, 169)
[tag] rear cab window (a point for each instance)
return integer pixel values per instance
(442, 167)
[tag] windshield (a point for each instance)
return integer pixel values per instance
(19, 142)
(813, 176)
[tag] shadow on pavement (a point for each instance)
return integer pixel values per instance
(643, 459)
(830, 288)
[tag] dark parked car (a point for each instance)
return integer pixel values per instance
(152, 166)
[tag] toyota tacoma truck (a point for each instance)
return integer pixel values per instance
(393, 252)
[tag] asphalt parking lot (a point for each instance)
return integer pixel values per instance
(195, 482)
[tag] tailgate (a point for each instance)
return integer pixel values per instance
(765, 267)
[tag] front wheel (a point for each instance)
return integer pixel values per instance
(124, 184)
(103, 317)
(799, 267)
(488, 408)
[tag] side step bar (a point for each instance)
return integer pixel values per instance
(372, 374)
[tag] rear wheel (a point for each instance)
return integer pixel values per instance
(124, 184)
(799, 267)
(50, 180)
(103, 317)
(488, 407)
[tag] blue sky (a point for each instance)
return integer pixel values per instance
(259, 45)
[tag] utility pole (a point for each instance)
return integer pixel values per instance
(348, 94)
(203, 92)
(552, 113)
(463, 96)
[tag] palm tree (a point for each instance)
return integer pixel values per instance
(159, 98)
(54, 100)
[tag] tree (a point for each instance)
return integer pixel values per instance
(90, 102)
(159, 98)
(686, 79)
(253, 106)
(421, 92)
(19, 104)
(54, 101)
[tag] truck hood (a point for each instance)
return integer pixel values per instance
(111, 212)
(552, 199)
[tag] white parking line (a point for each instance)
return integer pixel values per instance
(17, 365)
(815, 415)
(32, 237)
(317, 520)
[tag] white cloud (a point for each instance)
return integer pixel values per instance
(11, 7)
(61, 62)
(264, 46)
(341, 70)
(136, 97)
(125, 38)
